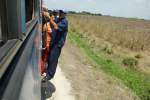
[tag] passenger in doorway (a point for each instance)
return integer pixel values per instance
(46, 38)
(59, 30)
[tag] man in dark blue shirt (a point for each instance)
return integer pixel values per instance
(58, 40)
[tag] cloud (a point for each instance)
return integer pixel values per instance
(93, 1)
(141, 1)
(54, 0)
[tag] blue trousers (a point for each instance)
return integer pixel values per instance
(52, 61)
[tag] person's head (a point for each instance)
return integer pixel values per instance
(45, 15)
(45, 12)
(50, 11)
(62, 14)
(56, 13)
(52, 16)
(45, 9)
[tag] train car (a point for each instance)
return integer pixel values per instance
(20, 49)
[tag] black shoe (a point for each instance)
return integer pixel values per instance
(45, 79)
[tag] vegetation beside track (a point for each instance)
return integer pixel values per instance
(136, 81)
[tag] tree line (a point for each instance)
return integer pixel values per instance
(85, 13)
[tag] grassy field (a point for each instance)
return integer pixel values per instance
(130, 33)
(87, 31)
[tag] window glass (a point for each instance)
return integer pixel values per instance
(36, 7)
(0, 30)
(29, 10)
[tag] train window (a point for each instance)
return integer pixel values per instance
(13, 19)
(29, 10)
(2, 23)
(0, 31)
(36, 2)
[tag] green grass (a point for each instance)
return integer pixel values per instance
(139, 83)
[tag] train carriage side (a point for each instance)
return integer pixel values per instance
(20, 38)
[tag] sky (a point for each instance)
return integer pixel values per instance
(121, 8)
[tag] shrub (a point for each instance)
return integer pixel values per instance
(138, 56)
(131, 62)
(109, 61)
(73, 29)
(108, 50)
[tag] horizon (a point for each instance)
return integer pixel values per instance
(118, 8)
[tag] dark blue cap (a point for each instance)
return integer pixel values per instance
(62, 11)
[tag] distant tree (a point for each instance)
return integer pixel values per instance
(85, 13)
(72, 12)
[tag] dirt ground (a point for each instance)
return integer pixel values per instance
(88, 83)
(62, 87)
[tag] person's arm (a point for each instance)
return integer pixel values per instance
(54, 24)
(62, 27)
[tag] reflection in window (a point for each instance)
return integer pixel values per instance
(29, 10)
